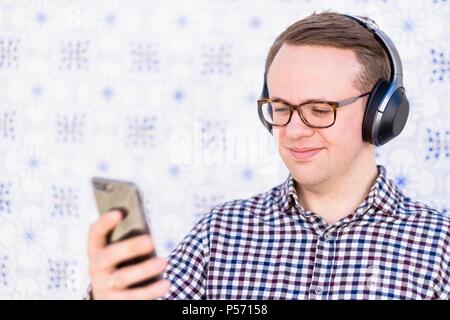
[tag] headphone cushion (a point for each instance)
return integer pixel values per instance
(375, 98)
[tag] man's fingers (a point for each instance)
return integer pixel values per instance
(152, 291)
(125, 277)
(108, 258)
(99, 230)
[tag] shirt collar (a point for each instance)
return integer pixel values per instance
(382, 196)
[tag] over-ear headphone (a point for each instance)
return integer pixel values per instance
(387, 107)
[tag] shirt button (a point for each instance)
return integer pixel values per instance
(318, 291)
(328, 237)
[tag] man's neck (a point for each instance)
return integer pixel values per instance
(341, 196)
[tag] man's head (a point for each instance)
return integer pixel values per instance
(325, 56)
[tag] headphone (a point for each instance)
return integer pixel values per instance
(387, 107)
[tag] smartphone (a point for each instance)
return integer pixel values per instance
(124, 196)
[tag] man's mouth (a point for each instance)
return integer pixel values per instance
(304, 154)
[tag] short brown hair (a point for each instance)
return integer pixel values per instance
(332, 29)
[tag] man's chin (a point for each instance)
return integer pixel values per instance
(308, 173)
(307, 177)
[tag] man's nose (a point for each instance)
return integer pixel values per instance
(297, 128)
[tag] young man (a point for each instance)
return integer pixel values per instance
(337, 228)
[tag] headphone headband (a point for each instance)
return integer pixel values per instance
(388, 45)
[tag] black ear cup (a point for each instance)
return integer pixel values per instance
(394, 116)
(375, 98)
(392, 120)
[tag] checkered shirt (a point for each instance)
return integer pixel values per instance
(269, 247)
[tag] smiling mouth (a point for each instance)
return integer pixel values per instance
(304, 153)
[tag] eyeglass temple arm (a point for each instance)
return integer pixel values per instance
(351, 100)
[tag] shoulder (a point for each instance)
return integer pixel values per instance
(245, 209)
(255, 205)
(429, 222)
(407, 209)
(421, 212)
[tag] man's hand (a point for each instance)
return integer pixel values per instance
(107, 281)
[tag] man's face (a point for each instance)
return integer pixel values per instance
(300, 73)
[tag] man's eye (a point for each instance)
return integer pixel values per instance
(321, 111)
(281, 109)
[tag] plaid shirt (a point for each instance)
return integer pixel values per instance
(269, 247)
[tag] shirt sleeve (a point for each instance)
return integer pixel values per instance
(188, 263)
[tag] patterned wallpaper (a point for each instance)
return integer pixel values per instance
(163, 93)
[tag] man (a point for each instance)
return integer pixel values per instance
(337, 228)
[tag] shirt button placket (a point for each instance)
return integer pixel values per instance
(324, 257)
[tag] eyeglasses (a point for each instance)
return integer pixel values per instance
(314, 113)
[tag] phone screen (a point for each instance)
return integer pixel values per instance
(124, 196)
